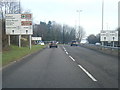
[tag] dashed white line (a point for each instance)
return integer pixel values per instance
(72, 58)
(81, 67)
(66, 52)
(87, 73)
(63, 48)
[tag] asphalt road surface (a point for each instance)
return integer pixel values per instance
(63, 67)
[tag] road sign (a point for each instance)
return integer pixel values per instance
(36, 38)
(19, 24)
(26, 24)
(13, 23)
(26, 16)
(109, 35)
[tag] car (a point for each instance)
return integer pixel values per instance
(53, 44)
(74, 43)
(41, 43)
(98, 44)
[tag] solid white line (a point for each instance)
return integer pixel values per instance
(72, 58)
(87, 73)
(66, 52)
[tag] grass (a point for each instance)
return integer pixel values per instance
(16, 53)
(0, 59)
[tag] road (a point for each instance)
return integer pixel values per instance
(63, 67)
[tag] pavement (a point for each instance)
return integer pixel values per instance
(63, 67)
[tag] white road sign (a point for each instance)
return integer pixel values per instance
(19, 24)
(109, 35)
(36, 38)
(13, 23)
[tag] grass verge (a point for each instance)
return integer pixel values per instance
(16, 53)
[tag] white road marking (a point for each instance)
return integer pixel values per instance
(72, 58)
(81, 67)
(87, 73)
(63, 48)
(66, 52)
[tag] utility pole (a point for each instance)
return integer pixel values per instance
(102, 14)
(63, 34)
(79, 21)
(79, 17)
(102, 18)
(20, 28)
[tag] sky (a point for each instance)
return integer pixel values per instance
(65, 12)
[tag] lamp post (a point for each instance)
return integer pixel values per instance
(102, 13)
(63, 35)
(79, 21)
(79, 17)
(102, 18)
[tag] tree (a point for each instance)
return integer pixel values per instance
(8, 7)
(98, 38)
(54, 31)
(80, 34)
(92, 39)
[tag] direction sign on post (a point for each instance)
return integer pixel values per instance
(19, 24)
(108, 35)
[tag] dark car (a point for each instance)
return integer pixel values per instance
(53, 44)
(74, 43)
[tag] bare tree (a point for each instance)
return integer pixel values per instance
(27, 11)
(80, 34)
(8, 7)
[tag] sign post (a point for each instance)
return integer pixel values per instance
(19, 40)
(113, 42)
(19, 24)
(109, 36)
(26, 26)
(9, 40)
(30, 41)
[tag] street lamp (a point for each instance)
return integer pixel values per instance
(102, 18)
(79, 21)
(79, 17)
(102, 13)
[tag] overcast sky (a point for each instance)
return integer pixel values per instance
(65, 12)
